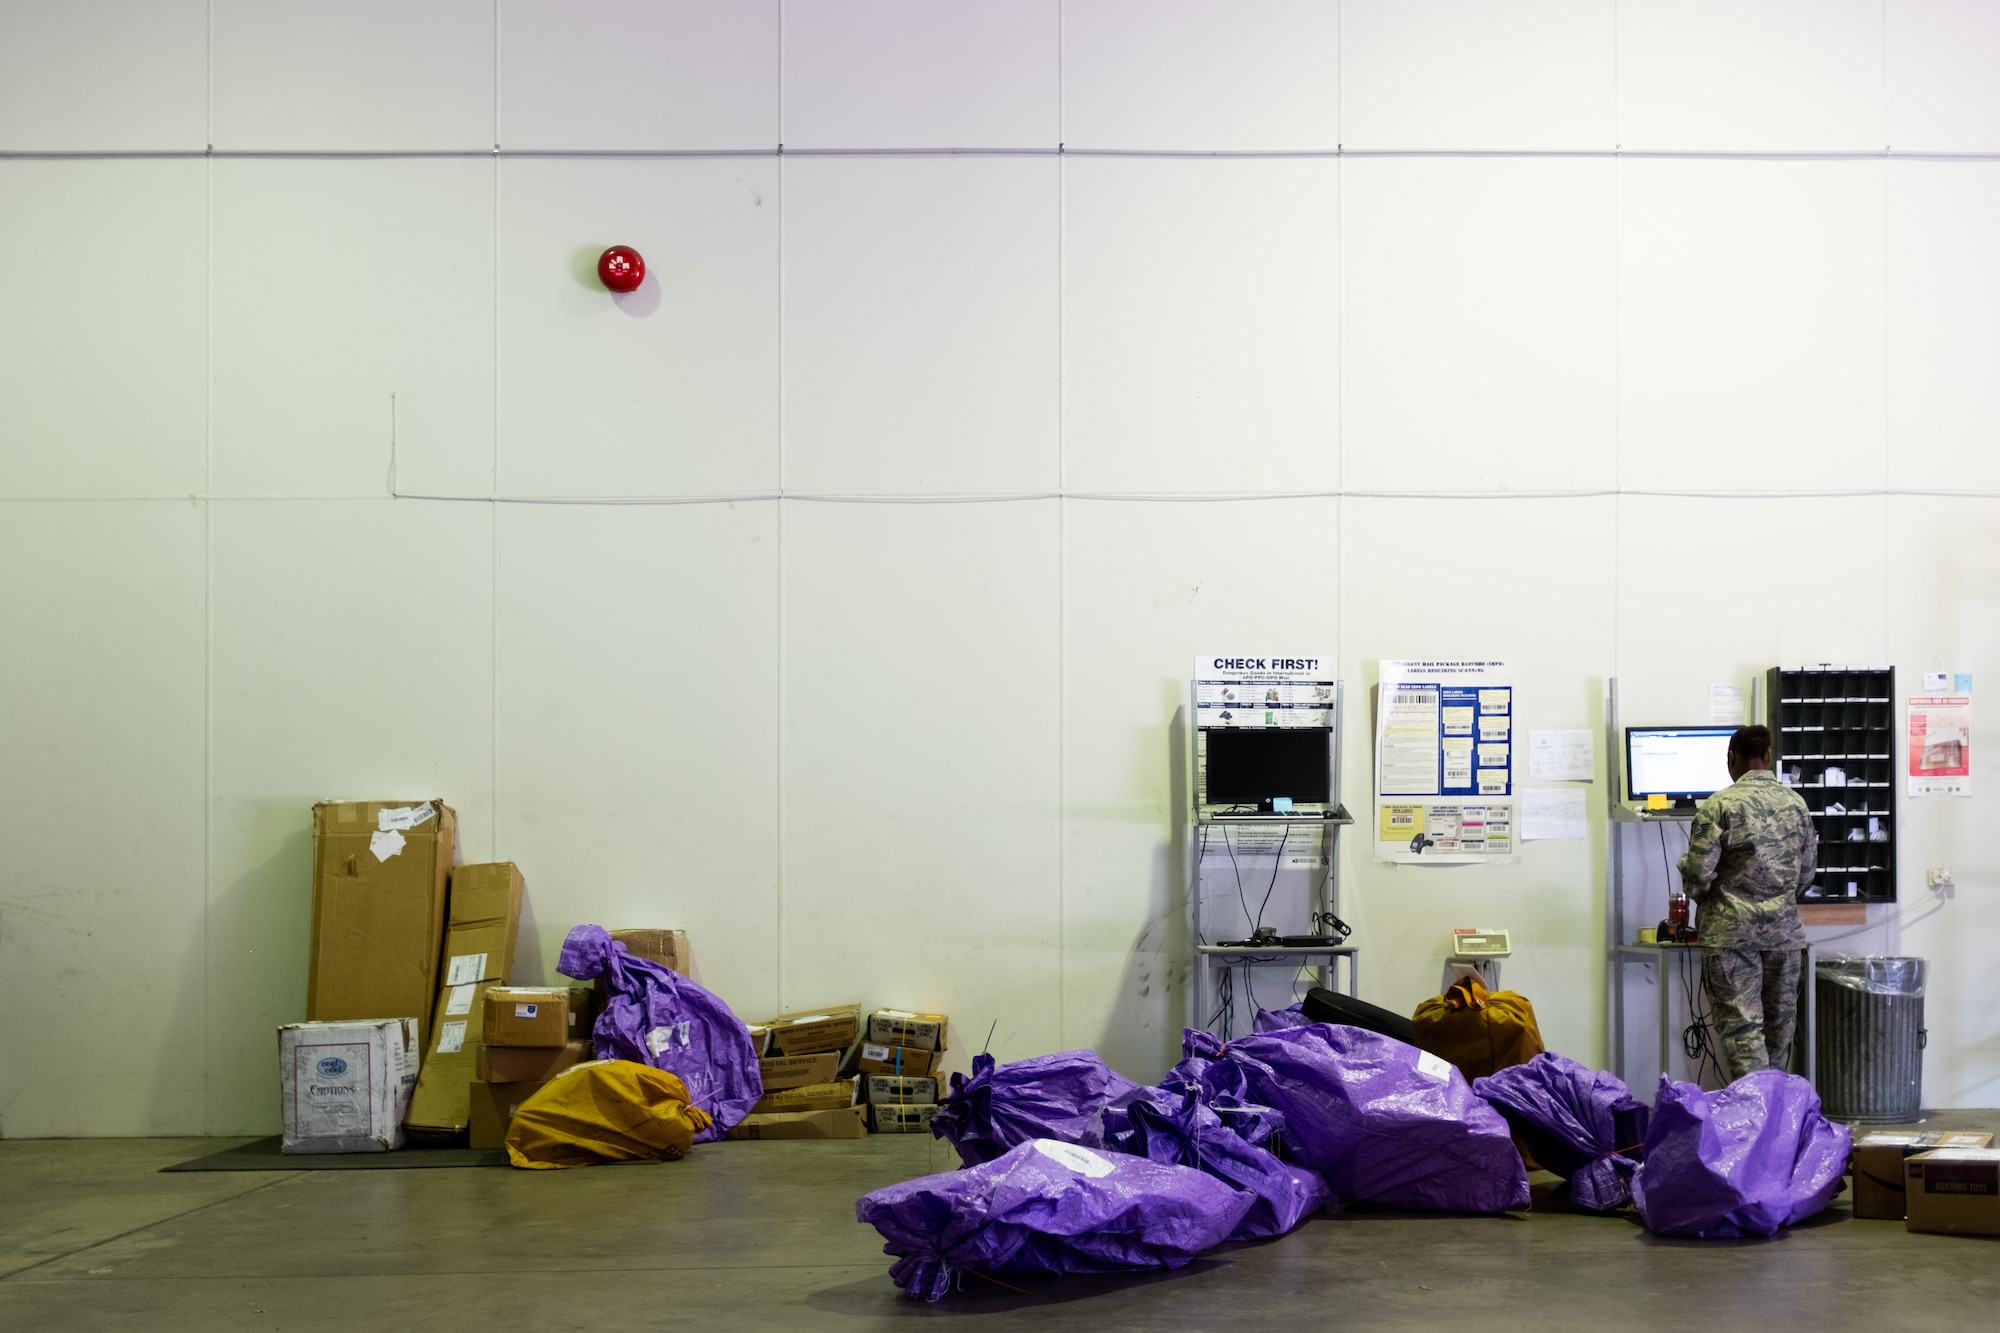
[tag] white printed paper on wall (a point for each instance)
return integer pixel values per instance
(1561, 756)
(1444, 763)
(1940, 741)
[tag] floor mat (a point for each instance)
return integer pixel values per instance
(263, 1155)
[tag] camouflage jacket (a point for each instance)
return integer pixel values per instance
(1750, 852)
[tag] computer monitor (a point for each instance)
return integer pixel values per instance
(1255, 765)
(1685, 763)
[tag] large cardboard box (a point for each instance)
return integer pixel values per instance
(890, 1088)
(345, 1086)
(811, 1097)
(901, 1119)
(904, 1060)
(444, 1090)
(901, 1027)
(796, 1071)
(527, 1016)
(668, 948)
(379, 874)
(847, 1122)
(1878, 1166)
(813, 1030)
(528, 1064)
(484, 917)
(1954, 1190)
(493, 1107)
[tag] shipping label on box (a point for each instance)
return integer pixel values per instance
(901, 1119)
(344, 1085)
(797, 1071)
(890, 1088)
(848, 1122)
(908, 1060)
(1954, 1190)
(527, 1016)
(811, 1097)
(816, 1030)
(443, 1098)
(900, 1027)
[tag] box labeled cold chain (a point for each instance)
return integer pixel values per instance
(797, 1071)
(346, 1085)
(1878, 1166)
(890, 1088)
(904, 1060)
(811, 1097)
(901, 1027)
(813, 1030)
(527, 1016)
(901, 1119)
(1953, 1190)
(847, 1122)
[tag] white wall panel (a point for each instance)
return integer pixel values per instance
(1944, 562)
(672, 389)
(1148, 586)
(605, 74)
(1943, 324)
(1527, 582)
(338, 284)
(1201, 324)
(921, 319)
(921, 735)
(911, 74)
(1750, 325)
(104, 289)
(1722, 590)
(1533, 74)
(98, 75)
(352, 658)
(1479, 324)
(371, 75)
(100, 813)
(1750, 75)
(1201, 74)
(636, 736)
(1942, 96)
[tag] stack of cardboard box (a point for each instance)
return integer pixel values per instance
(1943, 1180)
(898, 1062)
(805, 1094)
(527, 1043)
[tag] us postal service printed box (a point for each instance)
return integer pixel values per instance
(901, 1027)
(346, 1084)
(889, 1088)
(891, 1119)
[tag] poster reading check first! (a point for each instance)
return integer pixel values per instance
(1444, 763)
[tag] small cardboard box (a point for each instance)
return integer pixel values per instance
(583, 1011)
(905, 1060)
(668, 948)
(528, 1064)
(346, 1086)
(904, 1119)
(900, 1027)
(813, 1030)
(890, 1088)
(493, 1107)
(1878, 1166)
(527, 1016)
(798, 1071)
(1954, 1190)
(810, 1097)
(443, 1099)
(847, 1122)
(378, 914)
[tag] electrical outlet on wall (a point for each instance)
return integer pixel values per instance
(1940, 881)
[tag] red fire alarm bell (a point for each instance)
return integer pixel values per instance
(621, 268)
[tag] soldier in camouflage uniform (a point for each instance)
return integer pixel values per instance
(1751, 851)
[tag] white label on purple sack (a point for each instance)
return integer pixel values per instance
(1080, 1160)
(1436, 1068)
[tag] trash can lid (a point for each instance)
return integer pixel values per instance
(1875, 974)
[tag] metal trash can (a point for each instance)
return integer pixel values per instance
(1869, 1019)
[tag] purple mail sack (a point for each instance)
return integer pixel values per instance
(1585, 1125)
(1745, 1161)
(658, 1017)
(1049, 1207)
(1061, 1096)
(1185, 1132)
(1380, 1120)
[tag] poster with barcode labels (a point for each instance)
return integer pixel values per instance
(1444, 763)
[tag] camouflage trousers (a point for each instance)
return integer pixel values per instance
(1753, 995)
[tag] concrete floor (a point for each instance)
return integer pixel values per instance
(762, 1235)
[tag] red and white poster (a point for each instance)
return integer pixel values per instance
(1940, 745)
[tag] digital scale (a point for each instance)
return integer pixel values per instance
(1479, 952)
